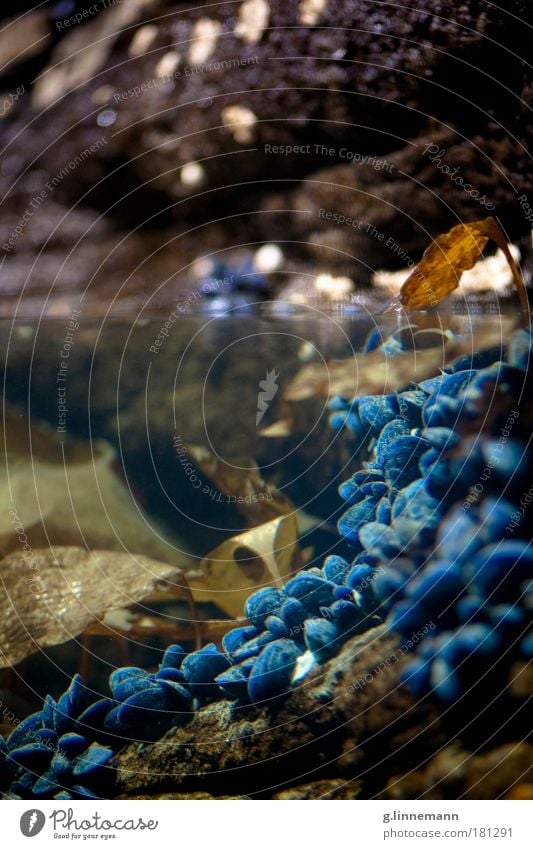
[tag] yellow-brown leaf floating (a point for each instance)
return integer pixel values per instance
(51, 596)
(262, 556)
(439, 271)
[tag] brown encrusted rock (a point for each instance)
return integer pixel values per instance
(333, 788)
(357, 63)
(458, 773)
(493, 774)
(51, 595)
(352, 704)
(206, 797)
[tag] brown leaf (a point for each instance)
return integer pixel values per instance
(259, 557)
(50, 596)
(439, 271)
(491, 227)
(242, 485)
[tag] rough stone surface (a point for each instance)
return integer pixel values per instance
(328, 789)
(457, 773)
(348, 731)
(325, 738)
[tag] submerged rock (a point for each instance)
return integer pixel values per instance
(459, 773)
(61, 491)
(318, 730)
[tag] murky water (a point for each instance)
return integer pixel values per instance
(158, 438)
(158, 473)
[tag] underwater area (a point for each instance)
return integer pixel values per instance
(302, 531)
(266, 358)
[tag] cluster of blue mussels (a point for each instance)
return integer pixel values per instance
(437, 527)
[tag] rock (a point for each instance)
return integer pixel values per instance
(448, 765)
(520, 792)
(332, 713)
(57, 490)
(23, 37)
(379, 200)
(206, 797)
(347, 730)
(80, 57)
(458, 773)
(521, 679)
(333, 788)
(491, 775)
(367, 100)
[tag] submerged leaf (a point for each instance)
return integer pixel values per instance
(259, 557)
(50, 597)
(242, 485)
(58, 490)
(279, 428)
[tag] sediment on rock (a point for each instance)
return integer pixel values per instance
(330, 732)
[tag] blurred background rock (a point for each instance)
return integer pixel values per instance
(143, 130)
